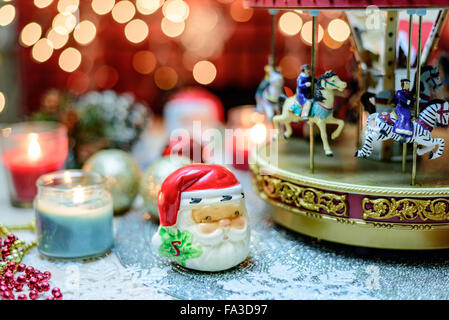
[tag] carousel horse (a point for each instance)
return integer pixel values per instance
(430, 80)
(435, 114)
(268, 93)
(321, 112)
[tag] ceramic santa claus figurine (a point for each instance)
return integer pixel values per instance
(203, 219)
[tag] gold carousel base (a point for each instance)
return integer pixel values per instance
(359, 202)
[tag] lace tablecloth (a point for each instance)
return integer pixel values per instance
(282, 265)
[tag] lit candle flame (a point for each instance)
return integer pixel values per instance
(34, 148)
(67, 177)
(258, 133)
(78, 195)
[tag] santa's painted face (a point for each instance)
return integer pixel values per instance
(221, 229)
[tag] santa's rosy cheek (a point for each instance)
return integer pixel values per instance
(207, 227)
(238, 223)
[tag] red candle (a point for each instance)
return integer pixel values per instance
(27, 156)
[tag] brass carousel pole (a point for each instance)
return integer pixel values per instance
(273, 14)
(314, 14)
(420, 14)
(410, 29)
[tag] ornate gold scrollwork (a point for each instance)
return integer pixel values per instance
(307, 198)
(406, 209)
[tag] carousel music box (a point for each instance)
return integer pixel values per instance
(344, 193)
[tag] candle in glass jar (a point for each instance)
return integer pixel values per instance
(74, 215)
(30, 150)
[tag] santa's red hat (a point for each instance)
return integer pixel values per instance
(195, 184)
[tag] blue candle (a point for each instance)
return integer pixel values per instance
(73, 215)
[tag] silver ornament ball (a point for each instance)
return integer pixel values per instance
(122, 174)
(152, 179)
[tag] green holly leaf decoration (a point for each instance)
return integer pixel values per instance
(178, 245)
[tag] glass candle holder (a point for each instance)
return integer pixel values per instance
(73, 215)
(29, 150)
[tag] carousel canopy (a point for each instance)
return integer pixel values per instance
(347, 4)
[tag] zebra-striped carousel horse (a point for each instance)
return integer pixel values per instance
(430, 81)
(435, 114)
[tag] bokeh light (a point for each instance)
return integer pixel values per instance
(42, 3)
(2, 101)
(70, 59)
(331, 43)
(57, 40)
(7, 14)
(30, 34)
(123, 11)
(68, 6)
(42, 50)
(339, 30)
(290, 66)
(64, 23)
(290, 23)
(78, 82)
(136, 31)
(239, 12)
(306, 32)
(85, 32)
(176, 10)
(106, 77)
(148, 6)
(165, 78)
(172, 29)
(204, 72)
(102, 7)
(144, 62)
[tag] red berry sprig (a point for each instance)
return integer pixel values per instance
(36, 281)
(12, 251)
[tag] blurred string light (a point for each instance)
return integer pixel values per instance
(290, 23)
(339, 30)
(106, 77)
(42, 50)
(57, 40)
(144, 62)
(165, 78)
(290, 66)
(7, 14)
(42, 3)
(102, 7)
(136, 31)
(64, 23)
(200, 38)
(68, 6)
(146, 7)
(330, 42)
(2, 101)
(85, 32)
(172, 29)
(204, 72)
(176, 10)
(306, 32)
(239, 12)
(30, 34)
(123, 11)
(78, 82)
(70, 59)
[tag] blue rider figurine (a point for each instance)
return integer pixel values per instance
(304, 91)
(403, 99)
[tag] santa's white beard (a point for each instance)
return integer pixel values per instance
(222, 249)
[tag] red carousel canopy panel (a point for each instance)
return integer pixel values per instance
(347, 4)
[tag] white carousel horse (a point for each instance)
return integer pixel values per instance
(321, 112)
(430, 80)
(267, 98)
(435, 114)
